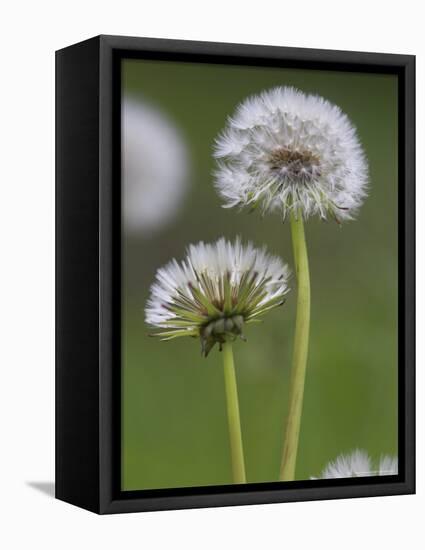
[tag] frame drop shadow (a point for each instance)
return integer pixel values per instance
(46, 487)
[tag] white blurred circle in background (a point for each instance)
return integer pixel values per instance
(154, 167)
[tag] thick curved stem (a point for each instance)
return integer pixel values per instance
(300, 351)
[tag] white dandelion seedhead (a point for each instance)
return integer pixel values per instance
(287, 151)
(359, 464)
(154, 167)
(388, 466)
(215, 291)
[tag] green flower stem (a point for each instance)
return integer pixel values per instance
(238, 464)
(300, 351)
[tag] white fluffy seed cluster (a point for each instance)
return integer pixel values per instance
(359, 464)
(215, 290)
(287, 151)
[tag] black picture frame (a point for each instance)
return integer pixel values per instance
(88, 274)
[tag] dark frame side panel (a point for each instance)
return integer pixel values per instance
(88, 353)
(77, 274)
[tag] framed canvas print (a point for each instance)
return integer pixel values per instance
(235, 274)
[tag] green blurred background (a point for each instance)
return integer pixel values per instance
(174, 426)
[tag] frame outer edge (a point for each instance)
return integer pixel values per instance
(410, 279)
(106, 243)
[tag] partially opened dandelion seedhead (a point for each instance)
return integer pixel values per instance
(215, 291)
(359, 464)
(287, 151)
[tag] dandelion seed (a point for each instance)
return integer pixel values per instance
(215, 291)
(388, 466)
(359, 464)
(287, 151)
